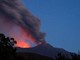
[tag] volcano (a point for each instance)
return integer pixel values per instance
(45, 50)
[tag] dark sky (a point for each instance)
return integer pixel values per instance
(60, 19)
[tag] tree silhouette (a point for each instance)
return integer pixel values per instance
(75, 56)
(7, 48)
(61, 57)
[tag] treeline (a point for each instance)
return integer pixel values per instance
(74, 56)
(7, 49)
(8, 52)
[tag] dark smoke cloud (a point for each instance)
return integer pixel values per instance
(13, 13)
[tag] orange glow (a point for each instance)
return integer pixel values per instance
(22, 44)
(27, 34)
(21, 36)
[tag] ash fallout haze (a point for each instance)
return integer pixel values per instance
(60, 19)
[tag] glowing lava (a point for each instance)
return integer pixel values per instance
(23, 44)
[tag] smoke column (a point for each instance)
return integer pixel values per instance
(17, 22)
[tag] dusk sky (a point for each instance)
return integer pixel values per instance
(60, 20)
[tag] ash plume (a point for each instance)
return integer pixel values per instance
(15, 20)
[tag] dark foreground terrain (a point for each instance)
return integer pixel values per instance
(32, 56)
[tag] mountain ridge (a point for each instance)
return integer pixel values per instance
(45, 50)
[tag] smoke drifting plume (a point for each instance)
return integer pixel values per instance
(16, 21)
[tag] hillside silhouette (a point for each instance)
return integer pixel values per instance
(8, 52)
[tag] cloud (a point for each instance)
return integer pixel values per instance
(14, 16)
